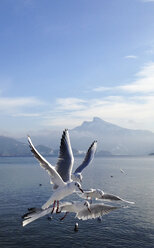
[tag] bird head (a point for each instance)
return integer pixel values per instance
(77, 177)
(100, 193)
(78, 186)
(87, 204)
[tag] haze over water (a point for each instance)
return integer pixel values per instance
(129, 227)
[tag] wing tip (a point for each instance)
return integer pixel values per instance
(94, 143)
(28, 137)
(65, 131)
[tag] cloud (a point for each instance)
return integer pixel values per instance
(145, 82)
(118, 105)
(62, 121)
(130, 57)
(26, 115)
(146, 1)
(132, 101)
(13, 105)
(102, 88)
(70, 103)
(116, 109)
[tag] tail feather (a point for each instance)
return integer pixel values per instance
(31, 212)
(31, 216)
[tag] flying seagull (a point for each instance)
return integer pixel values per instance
(63, 188)
(65, 161)
(98, 194)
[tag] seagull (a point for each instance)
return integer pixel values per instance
(98, 194)
(66, 159)
(122, 171)
(84, 210)
(62, 188)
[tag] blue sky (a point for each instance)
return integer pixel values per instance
(63, 62)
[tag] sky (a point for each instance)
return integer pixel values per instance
(64, 62)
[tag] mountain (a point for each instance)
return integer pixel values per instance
(97, 126)
(113, 138)
(12, 147)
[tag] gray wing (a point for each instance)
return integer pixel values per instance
(97, 210)
(88, 158)
(66, 207)
(110, 197)
(54, 176)
(65, 160)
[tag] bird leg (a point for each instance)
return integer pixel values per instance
(53, 207)
(57, 210)
(64, 216)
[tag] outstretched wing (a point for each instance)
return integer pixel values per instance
(65, 160)
(88, 158)
(110, 197)
(54, 176)
(96, 210)
(66, 207)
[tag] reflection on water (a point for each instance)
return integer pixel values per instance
(129, 227)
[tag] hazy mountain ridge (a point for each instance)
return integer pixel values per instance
(10, 147)
(98, 125)
(112, 139)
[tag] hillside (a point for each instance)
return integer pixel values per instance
(12, 147)
(112, 139)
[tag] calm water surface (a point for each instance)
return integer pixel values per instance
(129, 227)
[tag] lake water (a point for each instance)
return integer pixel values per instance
(125, 227)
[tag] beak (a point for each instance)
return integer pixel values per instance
(89, 210)
(81, 190)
